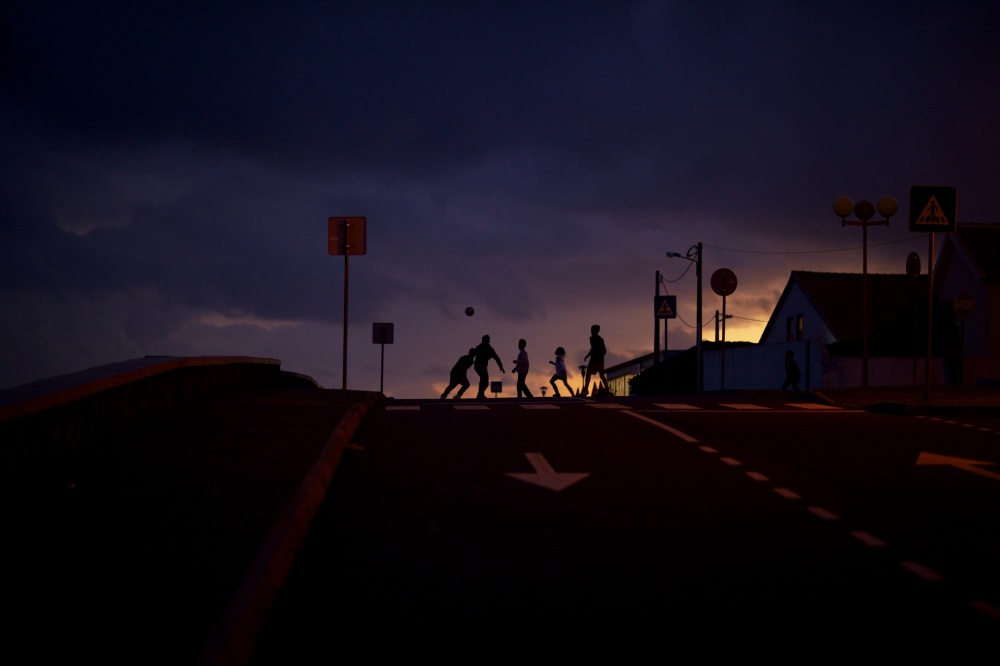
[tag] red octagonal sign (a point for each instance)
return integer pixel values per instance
(962, 304)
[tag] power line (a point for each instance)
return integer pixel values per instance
(843, 249)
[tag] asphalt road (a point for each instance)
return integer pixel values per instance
(646, 528)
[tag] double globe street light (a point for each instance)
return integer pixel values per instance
(864, 211)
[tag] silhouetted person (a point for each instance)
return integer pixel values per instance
(596, 364)
(485, 352)
(792, 373)
(459, 374)
(560, 364)
(521, 369)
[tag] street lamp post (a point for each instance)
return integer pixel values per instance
(864, 210)
(694, 255)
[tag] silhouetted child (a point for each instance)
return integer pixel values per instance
(560, 364)
(521, 369)
(596, 364)
(459, 375)
(792, 373)
(484, 352)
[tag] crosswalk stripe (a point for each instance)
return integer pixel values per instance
(810, 405)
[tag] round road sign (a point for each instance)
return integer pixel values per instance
(723, 282)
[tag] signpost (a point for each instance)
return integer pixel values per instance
(382, 335)
(933, 209)
(723, 283)
(665, 307)
(962, 305)
(346, 236)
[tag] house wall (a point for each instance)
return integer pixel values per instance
(979, 368)
(762, 367)
(796, 303)
(844, 372)
(983, 320)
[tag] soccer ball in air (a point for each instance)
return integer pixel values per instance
(469, 311)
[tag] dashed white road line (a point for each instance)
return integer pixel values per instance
(868, 539)
(823, 513)
(987, 609)
(787, 494)
(922, 571)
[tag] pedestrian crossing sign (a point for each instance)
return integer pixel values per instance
(933, 209)
(665, 307)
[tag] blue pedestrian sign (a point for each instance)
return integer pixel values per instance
(665, 307)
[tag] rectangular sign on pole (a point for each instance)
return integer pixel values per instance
(382, 334)
(347, 235)
(933, 209)
(665, 307)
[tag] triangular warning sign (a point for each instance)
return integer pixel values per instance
(664, 310)
(933, 215)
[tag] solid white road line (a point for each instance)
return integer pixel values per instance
(663, 426)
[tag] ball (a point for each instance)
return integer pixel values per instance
(469, 311)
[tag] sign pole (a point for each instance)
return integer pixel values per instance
(382, 334)
(722, 385)
(930, 314)
(347, 255)
(656, 330)
(346, 236)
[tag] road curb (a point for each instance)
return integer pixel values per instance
(233, 640)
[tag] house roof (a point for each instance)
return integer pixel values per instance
(838, 298)
(981, 245)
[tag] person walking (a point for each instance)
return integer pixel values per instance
(595, 366)
(792, 372)
(484, 353)
(460, 375)
(521, 369)
(560, 374)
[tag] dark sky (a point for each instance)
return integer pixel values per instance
(169, 169)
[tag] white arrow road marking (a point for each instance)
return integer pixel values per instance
(964, 464)
(545, 476)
